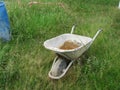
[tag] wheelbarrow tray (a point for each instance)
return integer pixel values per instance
(72, 54)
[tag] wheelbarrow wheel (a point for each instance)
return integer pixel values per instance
(58, 67)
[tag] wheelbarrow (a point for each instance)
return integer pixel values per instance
(66, 57)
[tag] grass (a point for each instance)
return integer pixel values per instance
(25, 63)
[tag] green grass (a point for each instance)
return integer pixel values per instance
(25, 63)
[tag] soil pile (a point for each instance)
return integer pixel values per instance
(69, 45)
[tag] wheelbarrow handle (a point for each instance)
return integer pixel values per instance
(96, 34)
(72, 30)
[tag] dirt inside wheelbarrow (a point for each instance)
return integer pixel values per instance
(67, 45)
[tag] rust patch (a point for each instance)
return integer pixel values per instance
(69, 45)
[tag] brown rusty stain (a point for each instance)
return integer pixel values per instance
(69, 45)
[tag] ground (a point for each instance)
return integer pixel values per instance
(25, 63)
